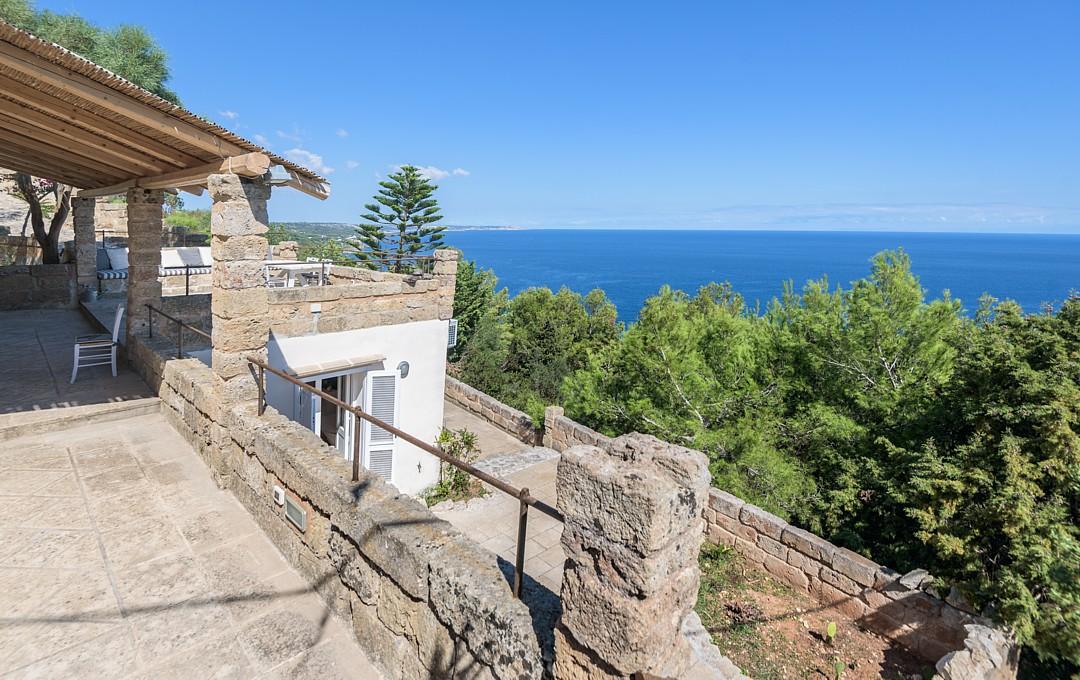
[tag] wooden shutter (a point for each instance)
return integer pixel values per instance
(380, 401)
(451, 340)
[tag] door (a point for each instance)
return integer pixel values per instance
(306, 406)
(351, 388)
(381, 401)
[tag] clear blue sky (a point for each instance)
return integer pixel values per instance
(954, 116)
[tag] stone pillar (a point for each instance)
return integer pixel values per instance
(239, 302)
(446, 261)
(144, 218)
(633, 529)
(82, 217)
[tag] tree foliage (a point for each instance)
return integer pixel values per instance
(127, 50)
(888, 422)
(400, 224)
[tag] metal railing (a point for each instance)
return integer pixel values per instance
(417, 265)
(525, 499)
(180, 327)
(187, 274)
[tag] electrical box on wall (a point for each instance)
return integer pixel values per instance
(279, 495)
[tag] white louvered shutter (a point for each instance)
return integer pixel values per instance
(451, 340)
(381, 401)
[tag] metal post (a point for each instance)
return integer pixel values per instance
(179, 340)
(356, 449)
(150, 320)
(187, 280)
(523, 520)
(262, 390)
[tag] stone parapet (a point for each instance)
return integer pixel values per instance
(508, 419)
(38, 286)
(423, 600)
(632, 532)
(365, 301)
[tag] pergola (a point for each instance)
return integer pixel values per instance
(69, 120)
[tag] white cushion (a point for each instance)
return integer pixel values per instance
(171, 258)
(118, 257)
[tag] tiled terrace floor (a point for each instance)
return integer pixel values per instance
(119, 557)
(35, 365)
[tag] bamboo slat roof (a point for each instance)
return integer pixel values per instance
(65, 118)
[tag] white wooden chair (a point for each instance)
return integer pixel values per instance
(99, 349)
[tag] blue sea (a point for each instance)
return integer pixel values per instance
(631, 265)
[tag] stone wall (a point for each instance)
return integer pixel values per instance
(110, 217)
(902, 607)
(38, 286)
(508, 419)
(361, 298)
(19, 250)
(560, 432)
(422, 599)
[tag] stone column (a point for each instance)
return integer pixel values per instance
(144, 218)
(446, 261)
(238, 226)
(82, 217)
(633, 529)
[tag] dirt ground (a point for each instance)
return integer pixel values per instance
(774, 633)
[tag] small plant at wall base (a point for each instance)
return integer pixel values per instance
(454, 483)
(400, 223)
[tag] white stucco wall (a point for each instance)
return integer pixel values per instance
(420, 405)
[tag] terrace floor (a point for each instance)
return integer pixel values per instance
(35, 366)
(119, 557)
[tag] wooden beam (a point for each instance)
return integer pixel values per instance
(44, 71)
(58, 132)
(37, 168)
(23, 94)
(245, 165)
(35, 137)
(308, 186)
(108, 170)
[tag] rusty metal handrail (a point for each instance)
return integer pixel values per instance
(525, 499)
(180, 326)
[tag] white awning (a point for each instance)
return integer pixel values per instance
(334, 366)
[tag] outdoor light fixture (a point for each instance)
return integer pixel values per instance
(403, 369)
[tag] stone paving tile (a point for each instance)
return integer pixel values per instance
(222, 658)
(49, 548)
(109, 655)
(139, 542)
(44, 512)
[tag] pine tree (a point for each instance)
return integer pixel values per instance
(399, 222)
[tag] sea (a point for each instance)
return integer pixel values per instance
(631, 265)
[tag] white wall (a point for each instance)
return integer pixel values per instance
(420, 401)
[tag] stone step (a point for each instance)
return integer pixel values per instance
(26, 423)
(505, 465)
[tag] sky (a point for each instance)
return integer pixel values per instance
(957, 116)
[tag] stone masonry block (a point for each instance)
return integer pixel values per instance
(855, 566)
(808, 544)
(725, 503)
(763, 522)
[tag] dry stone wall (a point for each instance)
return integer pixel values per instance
(561, 433)
(423, 600)
(38, 286)
(902, 607)
(508, 419)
